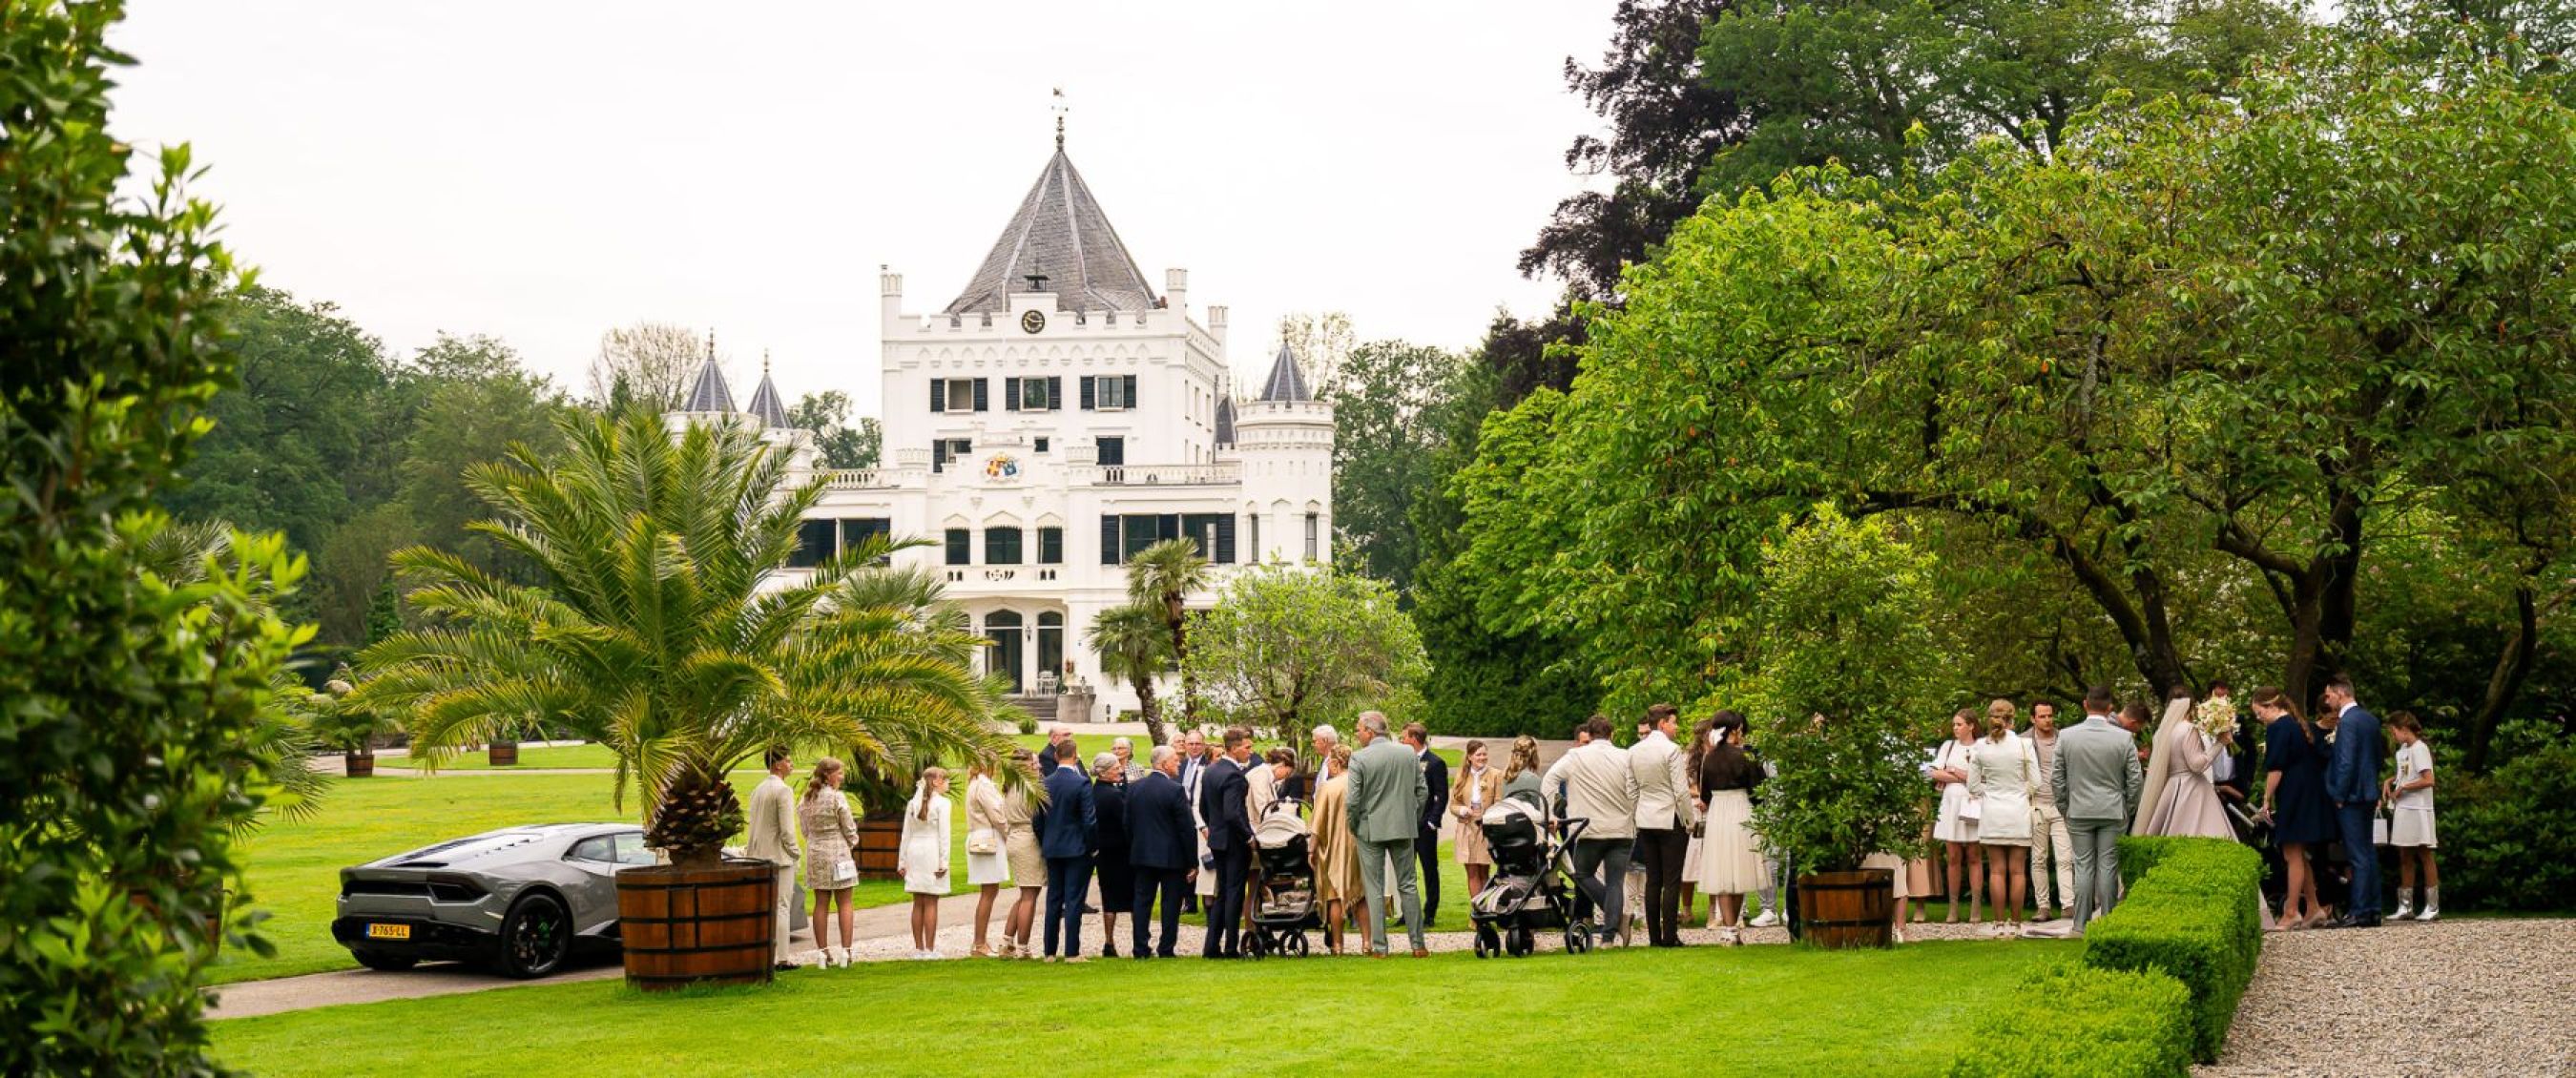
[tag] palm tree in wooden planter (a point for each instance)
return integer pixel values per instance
(665, 624)
(1160, 579)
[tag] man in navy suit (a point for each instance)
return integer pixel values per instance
(1068, 832)
(1435, 807)
(2352, 781)
(1162, 845)
(1225, 813)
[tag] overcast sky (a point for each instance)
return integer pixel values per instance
(541, 172)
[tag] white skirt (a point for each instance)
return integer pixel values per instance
(2412, 827)
(1690, 857)
(1950, 826)
(921, 865)
(984, 868)
(1730, 856)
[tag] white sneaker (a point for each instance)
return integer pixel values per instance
(1768, 919)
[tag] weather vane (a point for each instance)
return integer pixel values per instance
(1060, 109)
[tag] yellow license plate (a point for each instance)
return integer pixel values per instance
(388, 932)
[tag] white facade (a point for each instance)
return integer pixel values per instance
(1038, 434)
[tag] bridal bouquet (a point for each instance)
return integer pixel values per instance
(2215, 717)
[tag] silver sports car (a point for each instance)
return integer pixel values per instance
(521, 898)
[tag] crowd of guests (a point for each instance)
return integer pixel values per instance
(2025, 816)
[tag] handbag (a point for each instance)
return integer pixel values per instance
(1972, 808)
(983, 840)
(2379, 826)
(847, 872)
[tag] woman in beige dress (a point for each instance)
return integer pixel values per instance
(830, 834)
(1336, 852)
(1479, 785)
(986, 871)
(1028, 866)
(2179, 798)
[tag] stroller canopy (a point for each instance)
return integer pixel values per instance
(1279, 827)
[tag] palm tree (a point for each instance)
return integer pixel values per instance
(658, 626)
(1134, 644)
(1160, 578)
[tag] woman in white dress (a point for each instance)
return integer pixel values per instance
(987, 867)
(2001, 772)
(1700, 743)
(2409, 788)
(1955, 826)
(922, 859)
(1730, 856)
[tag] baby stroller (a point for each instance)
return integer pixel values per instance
(1533, 885)
(1284, 904)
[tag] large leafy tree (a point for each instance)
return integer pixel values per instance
(135, 704)
(836, 442)
(1393, 409)
(659, 627)
(1286, 643)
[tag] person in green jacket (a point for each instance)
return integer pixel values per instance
(1387, 789)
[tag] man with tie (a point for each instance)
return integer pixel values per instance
(1193, 769)
(2352, 783)
(1224, 811)
(1068, 833)
(1163, 845)
(1387, 792)
(1664, 810)
(2098, 781)
(1435, 808)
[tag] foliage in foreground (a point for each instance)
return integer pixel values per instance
(2195, 917)
(657, 630)
(2104, 1023)
(134, 704)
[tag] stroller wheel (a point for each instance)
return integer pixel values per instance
(1519, 942)
(1259, 945)
(1488, 942)
(1297, 945)
(1578, 938)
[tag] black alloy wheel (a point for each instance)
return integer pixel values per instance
(536, 937)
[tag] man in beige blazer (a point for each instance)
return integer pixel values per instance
(1597, 786)
(1664, 810)
(773, 839)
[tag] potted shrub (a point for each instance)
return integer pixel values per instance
(1845, 673)
(501, 754)
(652, 628)
(335, 722)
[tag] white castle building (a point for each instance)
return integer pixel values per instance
(1052, 420)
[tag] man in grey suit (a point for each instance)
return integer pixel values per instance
(1387, 790)
(773, 839)
(2098, 780)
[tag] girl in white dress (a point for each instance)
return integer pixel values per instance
(987, 867)
(1954, 827)
(2410, 788)
(922, 859)
(2001, 771)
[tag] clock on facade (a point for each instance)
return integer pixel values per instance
(1033, 321)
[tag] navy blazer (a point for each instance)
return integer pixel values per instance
(1435, 798)
(1161, 832)
(2352, 775)
(1109, 803)
(1070, 824)
(1222, 804)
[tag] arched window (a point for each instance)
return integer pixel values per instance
(1003, 657)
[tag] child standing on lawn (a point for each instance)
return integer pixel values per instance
(2410, 787)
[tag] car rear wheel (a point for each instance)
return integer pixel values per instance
(383, 962)
(535, 937)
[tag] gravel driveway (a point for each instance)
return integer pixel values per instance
(2478, 997)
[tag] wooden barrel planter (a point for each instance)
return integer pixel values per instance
(502, 754)
(880, 846)
(684, 926)
(1847, 909)
(358, 765)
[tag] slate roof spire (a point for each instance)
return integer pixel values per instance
(1059, 233)
(1287, 381)
(764, 400)
(708, 391)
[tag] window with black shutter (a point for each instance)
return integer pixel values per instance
(1001, 546)
(1113, 450)
(1225, 539)
(1128, 391)
(960, 547)
(1050, 546)
(1108, 536)
(857, 531)
(938, 395)
(1041, 445)
(982, 401)
(939, 454)
(1055, 393)
(1010, 394)
(1314, 534)
(813, 544)
(1090, 393)
(1140, 530)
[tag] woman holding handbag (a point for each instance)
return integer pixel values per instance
(2001, 772)
(830, 833)
(1479, 785)
(987, 869)
(1955, 827)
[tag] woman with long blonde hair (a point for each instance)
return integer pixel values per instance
(830, 834)
(987, 867)
(923, 858)
(2001, 773)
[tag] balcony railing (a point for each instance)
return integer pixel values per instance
(859, 478)
(1218, 473)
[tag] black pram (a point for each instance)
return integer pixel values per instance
(1283, 906)
(1534, 882)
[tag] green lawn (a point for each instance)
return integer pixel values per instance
(592, 755)
(1753, 1010)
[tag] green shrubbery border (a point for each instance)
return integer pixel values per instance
(2161, 975)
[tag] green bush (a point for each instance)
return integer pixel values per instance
(2112, 1024)
(2139, 853)
(2194, 917)
(2509, 836)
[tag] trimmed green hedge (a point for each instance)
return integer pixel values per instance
(2116, 1024)
(2139, 853)
(2194, 915)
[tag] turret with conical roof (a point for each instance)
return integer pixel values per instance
(1060, 241)
(765, 404)
(708, 394)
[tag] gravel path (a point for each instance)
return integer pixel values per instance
(2449, 998)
